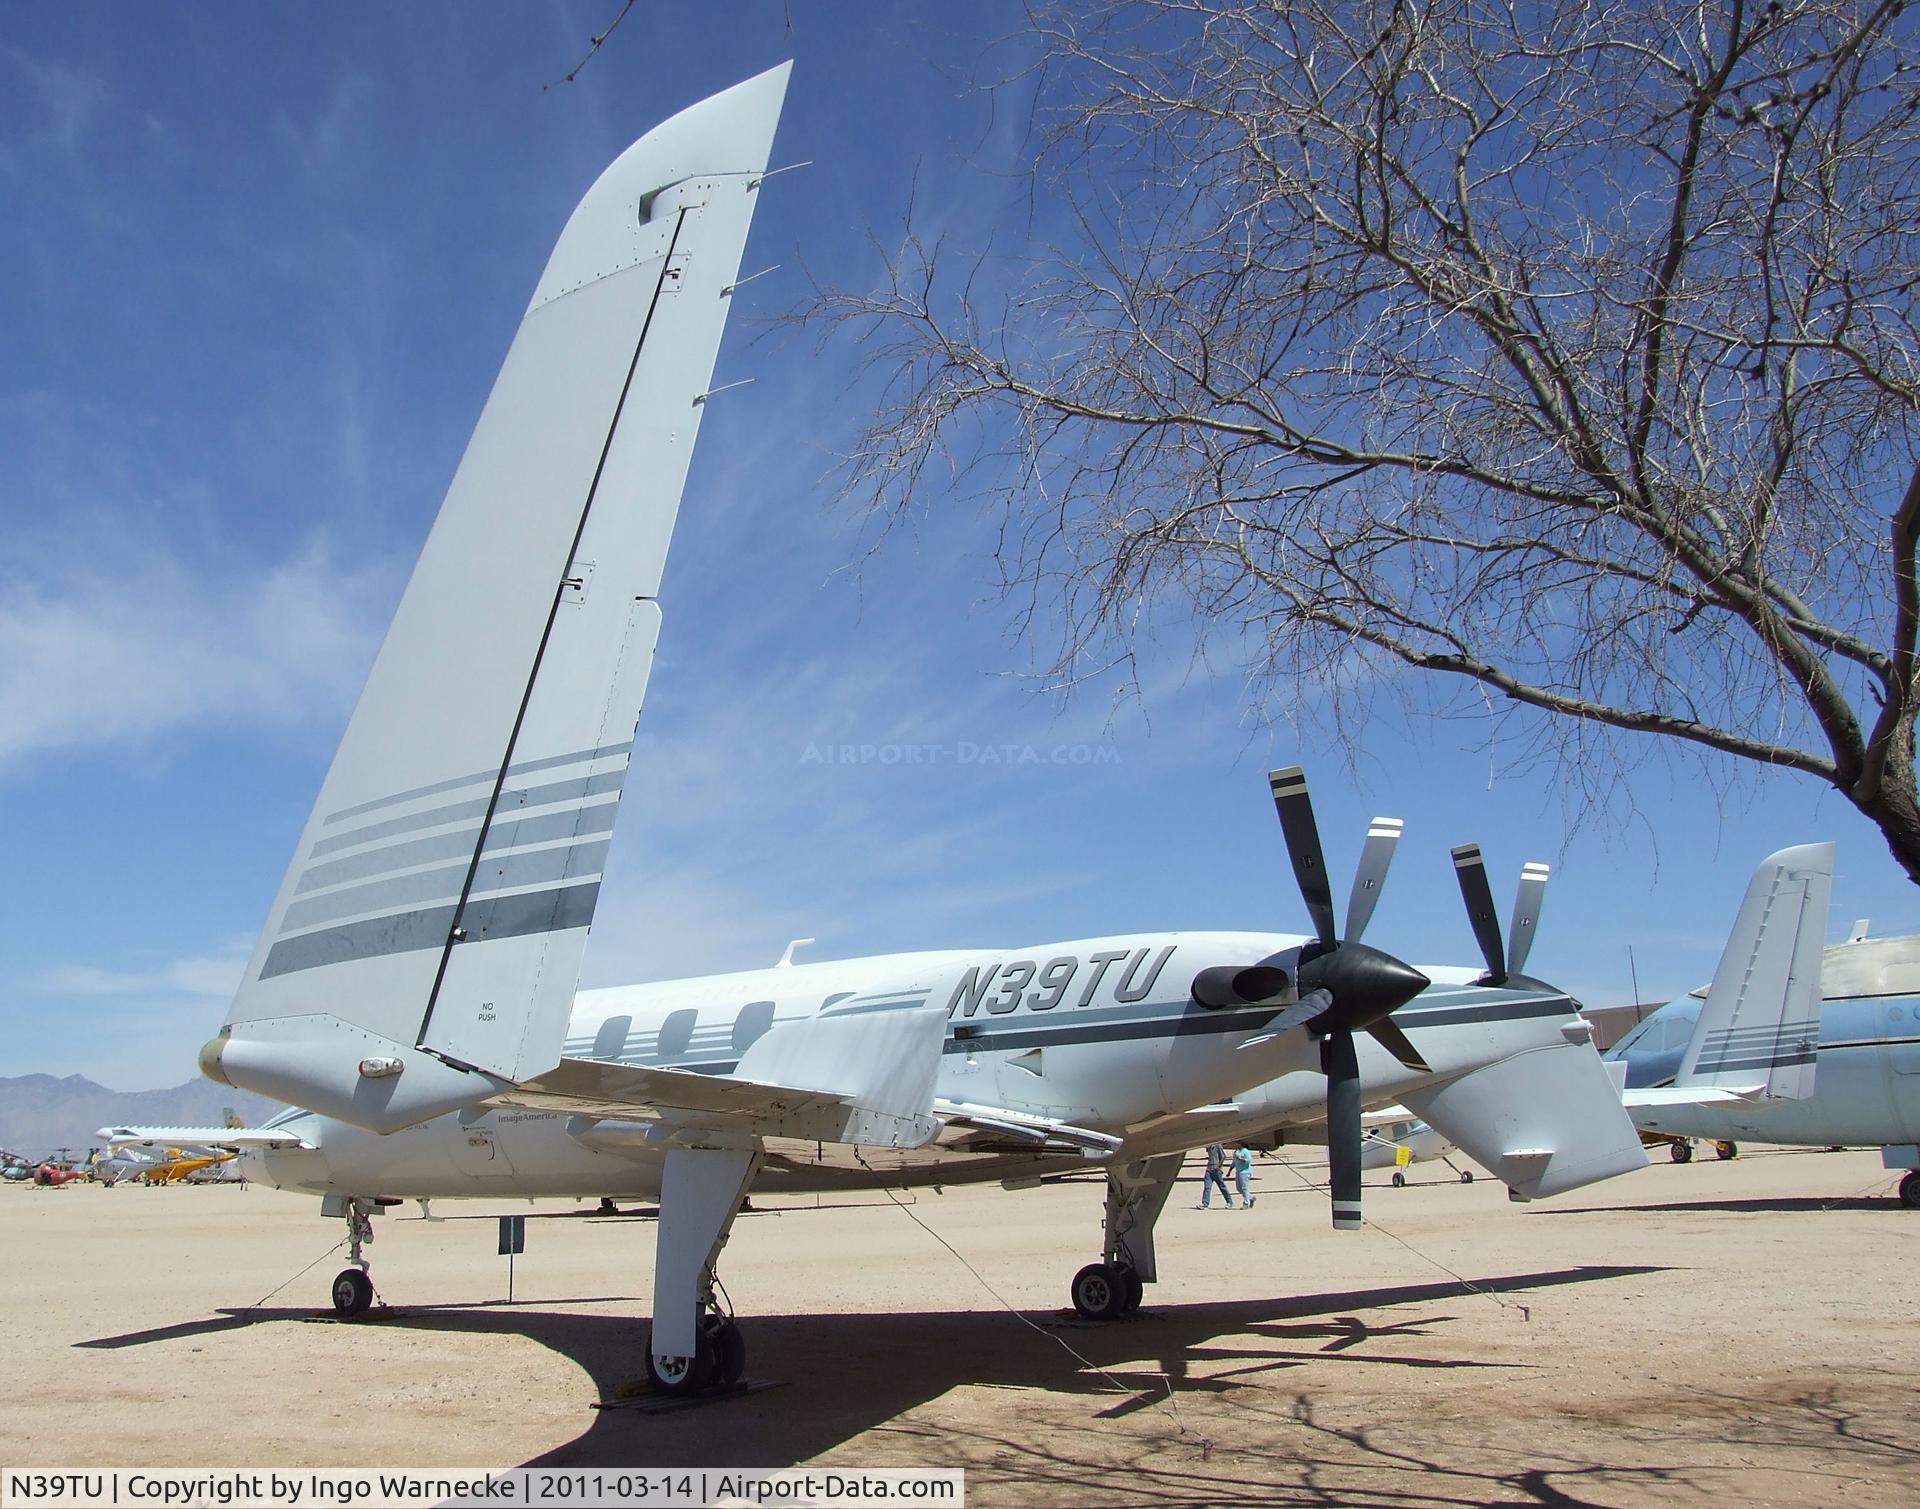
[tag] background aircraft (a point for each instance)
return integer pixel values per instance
(1403, 1141)
(1852, 1050)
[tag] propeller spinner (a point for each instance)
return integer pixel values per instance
(1362, 985)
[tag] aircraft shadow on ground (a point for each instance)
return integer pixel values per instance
(859, 1371)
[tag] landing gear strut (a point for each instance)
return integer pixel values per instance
(695, 1346)
(352, 1285)
(1136, 1194)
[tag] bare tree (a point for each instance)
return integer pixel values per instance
(1568, 349)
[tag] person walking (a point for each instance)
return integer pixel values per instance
(1216, 1174)
(1243, 1174)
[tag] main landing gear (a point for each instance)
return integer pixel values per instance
(1725, 1148)
(695, 1346)
(352, 1285)
(1910, 1190)
(1136, 1194)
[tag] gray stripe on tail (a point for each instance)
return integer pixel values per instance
(459, 845)
(524, 767)
(549, 911)
(531, 867)
(575, 790)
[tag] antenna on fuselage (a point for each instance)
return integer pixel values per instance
(786, 959)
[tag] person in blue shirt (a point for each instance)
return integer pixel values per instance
(1243, 1175)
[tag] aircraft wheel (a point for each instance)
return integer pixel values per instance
(683, 1376)
(729, 1351)
(1099, 1293)
(352, 1292)
(1910, 1190)
(1134, 1290)
(1466, 1176)
(1399, 1179)
(1680, 1152)
(1726, 1148)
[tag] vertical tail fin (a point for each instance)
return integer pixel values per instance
(441, 893)
(1761, 1020)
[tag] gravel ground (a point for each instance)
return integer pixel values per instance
(1738, 1333)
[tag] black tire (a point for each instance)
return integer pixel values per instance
(694, 1374)
(1466, 1176)
(729, 1351)
(1399, 1179)
(352, 1293)
(1726, 1148)
(1136, 1290)
(1680, 1152)
(1099, 1293)
(1910, 1190)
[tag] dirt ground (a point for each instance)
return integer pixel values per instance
(1739, 1333)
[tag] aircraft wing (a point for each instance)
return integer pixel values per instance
(231, 1138)
(994, 1128)
(1694, 1095)
(866, 1080)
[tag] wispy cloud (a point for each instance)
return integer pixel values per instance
(211, 975)
(101, 648)
(69, 97)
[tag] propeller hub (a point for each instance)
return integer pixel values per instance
(1365, 983)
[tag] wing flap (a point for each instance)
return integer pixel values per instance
(1695, 1095)
(865, 1080)
(1028, 1133)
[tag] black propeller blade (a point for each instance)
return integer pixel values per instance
(1362, 986)
(1471, 870)
(1527, 901)
(1302, 834)
(1342, 1068)
(1396, 1042)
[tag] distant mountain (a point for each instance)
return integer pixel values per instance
(39, 1113)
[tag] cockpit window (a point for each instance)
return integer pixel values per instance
(1662, 1032)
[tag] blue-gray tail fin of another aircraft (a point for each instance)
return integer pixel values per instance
(429, 931)
(1761, 1021)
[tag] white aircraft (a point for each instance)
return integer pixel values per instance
(414, 989)
(1793, 1042)
(1399, 1141)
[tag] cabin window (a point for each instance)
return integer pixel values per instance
(748, 1027)
(611, 1040)
(675, 1033)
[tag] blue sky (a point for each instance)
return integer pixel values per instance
(258, 266)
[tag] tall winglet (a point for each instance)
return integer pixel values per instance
(441, 893)
(1761, 1020)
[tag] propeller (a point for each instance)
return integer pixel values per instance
(1362, 986)
(1471, 869)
